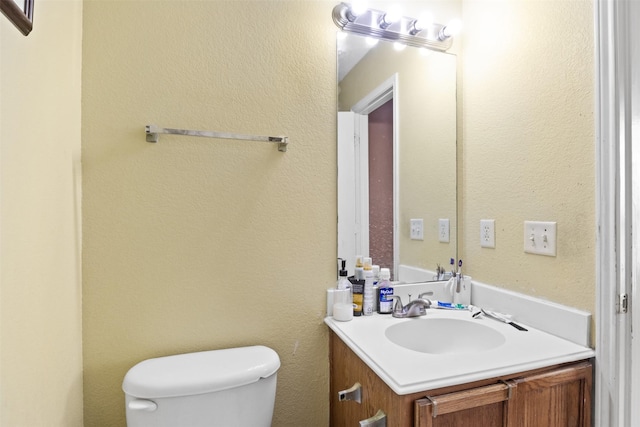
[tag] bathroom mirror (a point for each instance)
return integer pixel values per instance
(397, 198)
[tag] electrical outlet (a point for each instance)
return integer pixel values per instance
(417, 229)
(488, 233)
(540, 238)
(443, 230)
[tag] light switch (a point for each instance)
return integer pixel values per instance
(540, 238)
(417, 229)
(443, 230)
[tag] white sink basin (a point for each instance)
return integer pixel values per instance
(444, 336)
(449, 347)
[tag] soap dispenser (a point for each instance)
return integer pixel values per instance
(343, 282)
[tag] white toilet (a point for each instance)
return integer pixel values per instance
(227, 388)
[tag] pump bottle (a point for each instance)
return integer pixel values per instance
(343, 282)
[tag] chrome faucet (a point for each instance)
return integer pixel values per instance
(415, 308)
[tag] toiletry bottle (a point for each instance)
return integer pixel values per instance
(368, 298)
(343, 282)
(376, 278)
(385, 305)
(376, 274)
(357, 290)
(359, 272)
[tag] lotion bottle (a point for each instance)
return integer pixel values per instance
(359, 271)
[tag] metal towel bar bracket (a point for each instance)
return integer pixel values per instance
(153, 132)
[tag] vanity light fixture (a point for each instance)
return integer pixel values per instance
(356, 9)
(423, 22)
(388, 18)
(450, 30)
(422, 32)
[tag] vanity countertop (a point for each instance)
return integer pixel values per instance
(407, 371)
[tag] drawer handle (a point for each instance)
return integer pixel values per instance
(467, 399)
(353, 393)
(378, 420)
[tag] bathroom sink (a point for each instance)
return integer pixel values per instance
(444, 336)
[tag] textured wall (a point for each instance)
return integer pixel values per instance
(529, 145)
(192, 243)
(40, 198)
(197, 244)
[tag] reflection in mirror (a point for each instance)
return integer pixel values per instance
(401, 164)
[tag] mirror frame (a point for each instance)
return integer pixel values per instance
(409, 272)
(21, 17)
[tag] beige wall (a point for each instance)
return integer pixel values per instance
(198, 244)
(40, 197)
(528, 144)
(191, 243)
(181, 235)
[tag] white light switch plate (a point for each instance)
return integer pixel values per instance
(540, 238)
(417, 229)
(443, 230)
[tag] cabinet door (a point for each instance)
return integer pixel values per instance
(488, 406)
(559, 398)
(346, 370)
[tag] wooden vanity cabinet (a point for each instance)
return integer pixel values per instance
(555, 398)
(558, 396)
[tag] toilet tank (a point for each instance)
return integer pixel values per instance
(229, 387)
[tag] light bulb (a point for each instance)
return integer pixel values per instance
(356, 9)
(393, 15)
(371, 41)
(399, 46)
(423, 22)
(450, 30)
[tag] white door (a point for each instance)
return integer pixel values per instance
(634, 147)
(617, 379)
(353, 187)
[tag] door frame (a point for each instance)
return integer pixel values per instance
(386, 91)
(617, 173)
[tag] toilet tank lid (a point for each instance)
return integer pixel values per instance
(200, 372)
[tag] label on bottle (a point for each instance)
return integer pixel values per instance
(386, 302)
(367, 306)
(358, 290)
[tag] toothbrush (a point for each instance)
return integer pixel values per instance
(459, 277)
(449, 305)
(499, 318)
